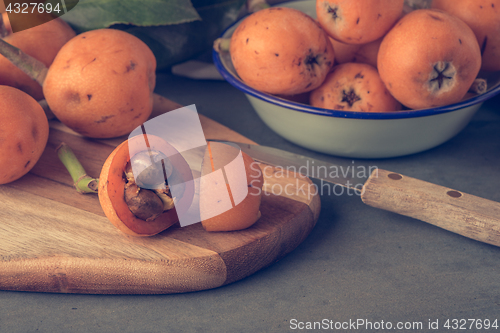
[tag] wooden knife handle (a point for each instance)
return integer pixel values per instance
(458, 212)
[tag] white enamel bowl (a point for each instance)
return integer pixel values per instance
(355, 134)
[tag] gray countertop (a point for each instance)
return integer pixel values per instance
(361, 268)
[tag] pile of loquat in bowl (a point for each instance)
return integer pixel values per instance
(370, 56)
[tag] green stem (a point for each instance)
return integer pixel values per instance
(222, 44)
(256, 5)
(83, 183)
(29, 65)
(3, 28)
(479, 86)
(48, 112)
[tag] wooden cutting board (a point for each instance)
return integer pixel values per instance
(53, 239)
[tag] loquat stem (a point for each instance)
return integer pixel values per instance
(3, 30)
(479, 86)
(418, 4)
(256, 5)
(48, 112)
(34, 68)
(83, 182)
(222, 44)
(29, 65)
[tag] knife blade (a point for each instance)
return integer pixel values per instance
(465, 214)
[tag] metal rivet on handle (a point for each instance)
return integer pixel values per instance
(454, 194)
(395, 176)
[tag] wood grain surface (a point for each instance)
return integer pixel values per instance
(53, 239)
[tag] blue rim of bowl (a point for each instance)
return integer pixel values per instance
(236, 82)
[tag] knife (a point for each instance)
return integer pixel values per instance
(465, 214)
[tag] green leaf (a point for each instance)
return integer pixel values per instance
(176, 43)
(96, 14)
(175, 30)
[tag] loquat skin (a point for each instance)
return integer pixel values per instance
(41, 42)
(354, 87)
(363, 53)
(281, 51)
(429, 59)
(24, 131)
(483, 17)
(358, 22)
(101, 83)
